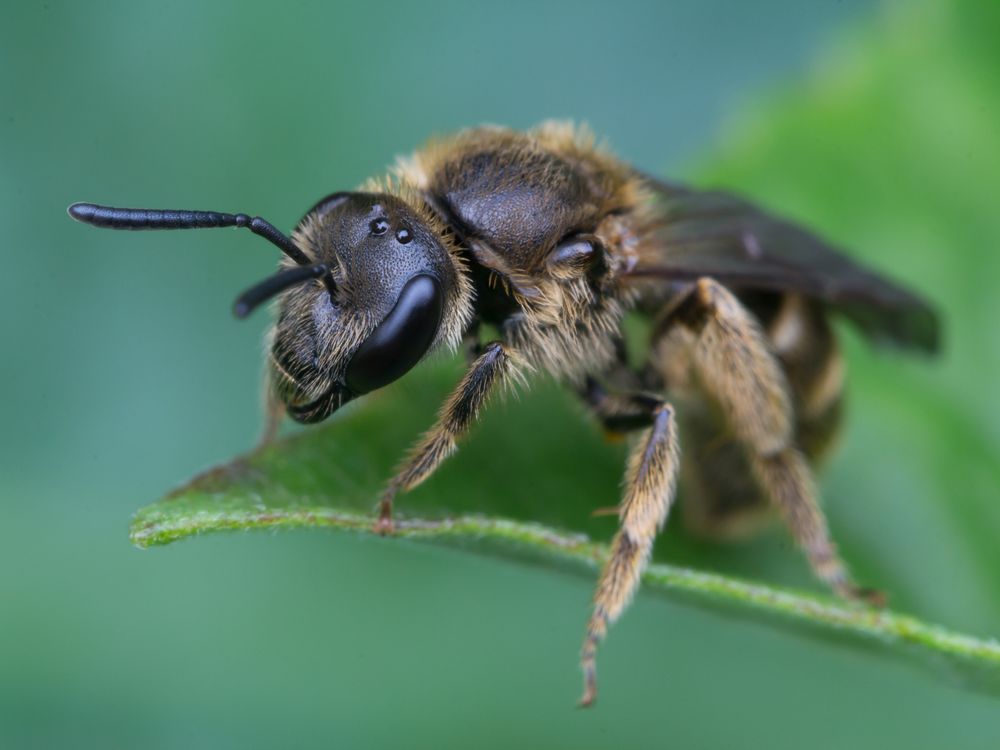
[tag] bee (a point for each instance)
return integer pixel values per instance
(551, 240)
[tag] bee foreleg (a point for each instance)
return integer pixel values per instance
(458, 414)
(732, 360)
(650, 478)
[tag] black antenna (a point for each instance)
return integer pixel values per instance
(147, 218)
(255, 295)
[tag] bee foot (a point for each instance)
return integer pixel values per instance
(862, 595)
(589, 688)
(384, 525)
(872, 597)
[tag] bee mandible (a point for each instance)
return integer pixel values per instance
(551, 240)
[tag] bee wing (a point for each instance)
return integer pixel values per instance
(720, 235)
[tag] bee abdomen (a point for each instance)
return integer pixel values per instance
(807, 348)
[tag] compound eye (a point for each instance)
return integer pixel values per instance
(399, 341)
(324, 206)
(328, 203)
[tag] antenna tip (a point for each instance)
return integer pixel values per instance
(82, 212)
(241, 309)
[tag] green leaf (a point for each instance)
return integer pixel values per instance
(328, 478)
(890, 150)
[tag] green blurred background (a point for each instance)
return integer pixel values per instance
(123, 373)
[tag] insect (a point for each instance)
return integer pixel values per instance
(547, 237)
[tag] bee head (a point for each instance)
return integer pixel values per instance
(367, 288)
(388, 297)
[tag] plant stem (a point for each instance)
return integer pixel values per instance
(153, 527)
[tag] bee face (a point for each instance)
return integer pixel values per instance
(391, 279)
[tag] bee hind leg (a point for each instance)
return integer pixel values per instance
(650, 478)
(490, 369)
(729, 354)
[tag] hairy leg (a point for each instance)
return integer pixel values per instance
(490, 369)
(650, 478)
(734, 365)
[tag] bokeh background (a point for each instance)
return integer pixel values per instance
(122, 372)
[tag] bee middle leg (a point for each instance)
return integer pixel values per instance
(650, 479)
(728, 353)
(490, 369)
